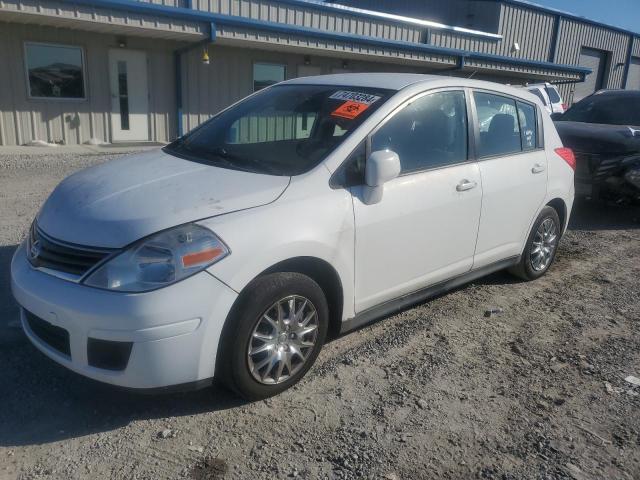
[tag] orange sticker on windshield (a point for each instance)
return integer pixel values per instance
(350, 110)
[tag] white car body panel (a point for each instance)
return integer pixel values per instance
(175, 331)
(115, 203)
(423, 232)
(511, 197)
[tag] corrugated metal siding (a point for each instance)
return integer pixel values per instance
(307, 16)
(477, 15)
(530, 29)
(99, 16)
(573, 35)
(636, 47)
(167, 3)
(207, 89)
(76, 121)
(239, 35)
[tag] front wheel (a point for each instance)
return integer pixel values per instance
(275, 335)
(542, 244)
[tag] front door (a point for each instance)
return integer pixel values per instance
(424, 229)
(129, 95)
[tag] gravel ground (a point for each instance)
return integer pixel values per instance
(438, 391)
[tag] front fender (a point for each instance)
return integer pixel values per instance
(319, 226)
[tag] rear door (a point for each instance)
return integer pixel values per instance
(424, 229)
(513, 166)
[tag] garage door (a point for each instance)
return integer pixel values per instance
(633, 78)
(596, 60)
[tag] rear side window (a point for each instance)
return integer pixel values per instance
(553, 95)
(528, 125)
(429, 132)
(498, 123)
(538, 94)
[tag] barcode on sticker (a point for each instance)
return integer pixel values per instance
(345, 95)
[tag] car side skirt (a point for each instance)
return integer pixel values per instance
(393, 306)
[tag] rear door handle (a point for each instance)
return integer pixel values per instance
(537, 168)
(465, 185)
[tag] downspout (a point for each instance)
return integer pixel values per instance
(177, 56)
(627, 64)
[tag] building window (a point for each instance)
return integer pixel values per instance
(55, 71)
(266, 74)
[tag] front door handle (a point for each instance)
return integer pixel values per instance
(537, 168)
(465, 185)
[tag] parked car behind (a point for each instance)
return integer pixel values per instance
(603, 130)
(313, 206)
(549, 96)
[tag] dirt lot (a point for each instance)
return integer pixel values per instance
(438, 391)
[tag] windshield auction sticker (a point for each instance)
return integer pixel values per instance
(364, 98)
(350, 110)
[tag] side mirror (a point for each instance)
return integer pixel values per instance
(382, 166)
(556, 116)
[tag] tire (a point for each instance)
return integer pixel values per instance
(529, 267)
(249, 330)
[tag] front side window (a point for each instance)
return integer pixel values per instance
(499, 125)
(285, 130)
(267, 74)
(55, 71)
(429, 132)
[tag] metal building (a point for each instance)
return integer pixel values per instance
(76, 71)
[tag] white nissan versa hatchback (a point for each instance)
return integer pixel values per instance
(311, 207)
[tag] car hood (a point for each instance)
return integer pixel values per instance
(118, 202)
(598, 138)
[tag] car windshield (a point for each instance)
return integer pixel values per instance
(283, 130)
(605, 109)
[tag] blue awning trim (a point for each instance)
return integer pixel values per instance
(242, 22)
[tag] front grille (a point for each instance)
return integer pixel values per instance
(56, 337)
(46, 252)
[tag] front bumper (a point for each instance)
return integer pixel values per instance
(173, 332)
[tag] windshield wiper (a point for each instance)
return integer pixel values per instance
(221, 152)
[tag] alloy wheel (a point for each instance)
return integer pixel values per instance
(282, 340)
(544, 245)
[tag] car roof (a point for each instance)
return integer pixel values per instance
(398, 81)
(391, 81)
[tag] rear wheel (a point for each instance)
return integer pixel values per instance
(542, 244)
(275, 335)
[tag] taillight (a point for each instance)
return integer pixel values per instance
(567, 155)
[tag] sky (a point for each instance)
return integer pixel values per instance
(620, 13)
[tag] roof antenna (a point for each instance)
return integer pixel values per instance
(472, 74)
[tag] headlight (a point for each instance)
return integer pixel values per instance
(159, 260)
